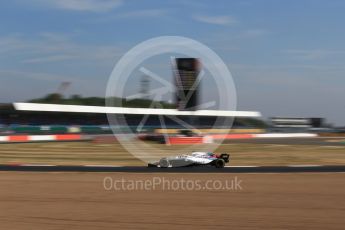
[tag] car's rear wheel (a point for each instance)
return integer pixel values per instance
(219, 163)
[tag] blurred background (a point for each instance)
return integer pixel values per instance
(286, 61)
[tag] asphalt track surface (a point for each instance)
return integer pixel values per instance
(79, 201)
(195, 169)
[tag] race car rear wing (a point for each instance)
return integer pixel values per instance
(225, 157)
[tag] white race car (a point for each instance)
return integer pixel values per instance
(194, 159)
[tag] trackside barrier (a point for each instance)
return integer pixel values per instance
(34, 138)
(209, 131)
(210, 138)
(172, 140)
(185, 140)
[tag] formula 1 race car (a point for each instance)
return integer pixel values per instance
(194, 159)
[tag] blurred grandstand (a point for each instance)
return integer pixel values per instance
(32, 122)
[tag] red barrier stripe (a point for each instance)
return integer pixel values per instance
(18, 138)
(185, 140)
(67, 137)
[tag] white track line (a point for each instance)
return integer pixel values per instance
(283, 135)
(305, 166)
(114, 166)
(38, 165)
(242, 166)
(332, 146)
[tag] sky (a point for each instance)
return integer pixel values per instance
(286, 56)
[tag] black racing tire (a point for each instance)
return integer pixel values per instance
(219, 163)
(164, 163)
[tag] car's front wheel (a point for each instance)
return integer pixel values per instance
(164, 163)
